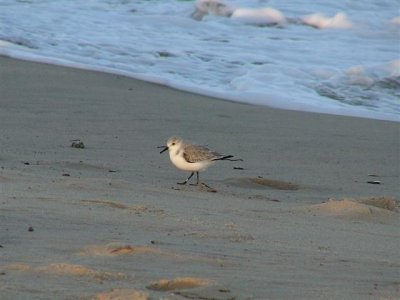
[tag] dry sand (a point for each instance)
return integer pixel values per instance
(108, 221)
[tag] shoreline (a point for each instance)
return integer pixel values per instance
(347, 111)
(299, 220)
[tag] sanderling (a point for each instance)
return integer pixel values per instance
(192, 157)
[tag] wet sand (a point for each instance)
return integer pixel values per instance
(311, 213)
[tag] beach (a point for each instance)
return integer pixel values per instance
(312, 212)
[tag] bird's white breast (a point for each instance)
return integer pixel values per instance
(179, 161)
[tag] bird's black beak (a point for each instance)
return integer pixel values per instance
(165, 148)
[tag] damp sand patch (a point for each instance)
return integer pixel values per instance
(260, 183)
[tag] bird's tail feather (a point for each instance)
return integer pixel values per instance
(228, 157)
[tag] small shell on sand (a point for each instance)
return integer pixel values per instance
(77, 144)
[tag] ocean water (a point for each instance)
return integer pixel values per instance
(330, 56)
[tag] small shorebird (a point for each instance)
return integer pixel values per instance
(192, 157)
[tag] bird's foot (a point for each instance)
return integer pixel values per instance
(204, 187)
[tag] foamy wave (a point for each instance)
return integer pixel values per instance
(358, 76)
(211, 7)
(257, 16)
(395, 21)
(393, 68)
(261, 16)
(365, 86)
(318, 20)
(367, 76)
(267, 66)
(267, 15)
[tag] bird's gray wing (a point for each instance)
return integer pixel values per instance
(196, 153)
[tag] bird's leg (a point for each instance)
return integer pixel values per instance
(203, 184)
(186, 181)
(198, 179)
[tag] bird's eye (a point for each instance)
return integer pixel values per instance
(173, 144)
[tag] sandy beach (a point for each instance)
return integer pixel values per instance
(312, 212)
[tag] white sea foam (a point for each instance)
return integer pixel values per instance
(318, 20)
(395, 21)
(352, 71)
(212, 7)
(260, 16)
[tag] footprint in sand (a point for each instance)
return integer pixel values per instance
(178, 284)
(115, 249)
(260, 182)
(193, 288)
(137, 209)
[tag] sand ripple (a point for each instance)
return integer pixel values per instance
(66, 269)
(375, 208)
(122, 294)
(178, 284)
(114, 249)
